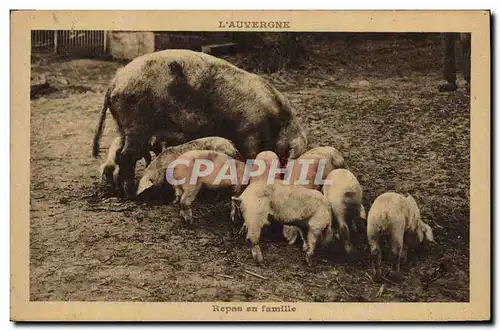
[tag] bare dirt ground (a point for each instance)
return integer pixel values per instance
(378, 104)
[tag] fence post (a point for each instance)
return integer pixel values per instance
(55, 41)
(105, 39)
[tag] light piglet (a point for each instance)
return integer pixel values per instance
(203, 168)
(345, 196)
(399, 217)
(154, 174)
(306, 209)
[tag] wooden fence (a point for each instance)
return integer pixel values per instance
(74, 42)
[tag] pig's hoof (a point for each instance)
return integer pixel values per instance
(351, 256)
(190, 226)
(290, 239)
(109, 190)
(261, 263)
(290, 234)
(448, 87)
(129, 189)
(349, 249)
(404, 257)
(396, 276)
(377, 278)
(186, 220)
(310, 262)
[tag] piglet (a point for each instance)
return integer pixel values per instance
(345, 196)
(399, 217)
(198, 168)
(306, 209)
(154, 174)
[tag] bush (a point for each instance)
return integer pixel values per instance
(270, 52)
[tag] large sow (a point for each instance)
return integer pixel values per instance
(198, 95)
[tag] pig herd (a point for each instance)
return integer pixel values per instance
(190, 106)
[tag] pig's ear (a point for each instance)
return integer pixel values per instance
(176, 69)
(144, 184)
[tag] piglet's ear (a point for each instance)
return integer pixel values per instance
(429, 236)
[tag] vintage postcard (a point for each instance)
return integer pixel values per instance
(250, 165)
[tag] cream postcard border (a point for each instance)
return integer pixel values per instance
(476, 22)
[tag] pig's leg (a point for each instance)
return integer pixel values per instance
(318, 227)
(106, 172)
(254, 228)
(376, 255)
(110, 169)
(353, 217)
(354, 226)
(187, 199)
(156, 145)
(234, 208)
(232, 214)
(116, 178)
(404, 253)
(290, 234)
(304, 239)
(396, 251)
(312, 239)
(178, 193)
(147, 158)
(243, 229)
(345, 235)
(129, 156)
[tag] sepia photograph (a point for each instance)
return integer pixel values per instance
(251, 167)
